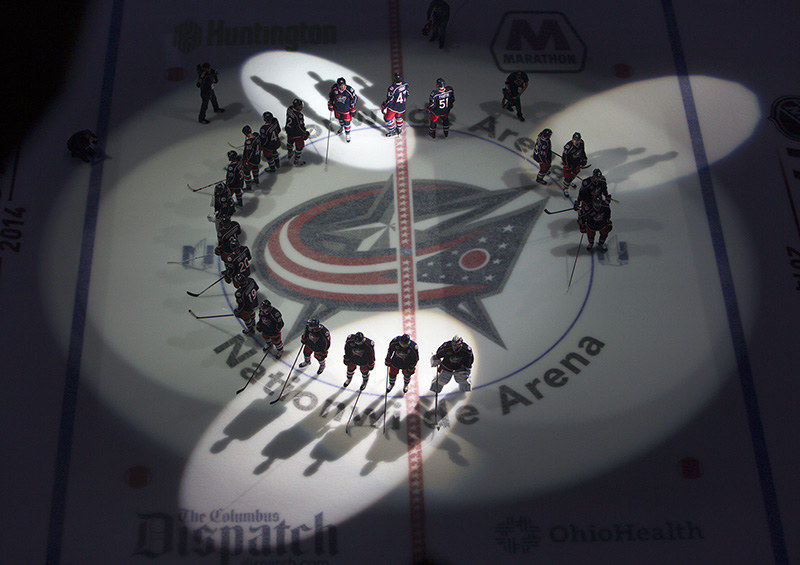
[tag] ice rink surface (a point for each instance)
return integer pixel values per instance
(638, 410)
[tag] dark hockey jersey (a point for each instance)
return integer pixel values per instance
(295, 123)
(342, 101)
(452, 360)
(318, 340)
(543, 150)
(252, 149)
(597, 217)
(516, 82)
(396, 97)
(592, 188)
(402, 357)
(270, 321)
(238, 262)
(270, 134)
(247, 296)
(226, 230)
(233, 175)
(574, 156)
(359, 353)
(441, 102)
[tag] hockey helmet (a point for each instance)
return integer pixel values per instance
(267, 116)
(312, 323)
(546, 133)
(440, 84)
(404, 340)
(297, 104)
(239, 279)
(597, 173)
(397, 77)
(340, 83)
(358, 337)
(247, 130)
(233, 155)
(233, 242)
(576, 136)
(265, 305)
(219, 187)
(457, 342)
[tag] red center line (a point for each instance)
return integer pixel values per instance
(408, 305)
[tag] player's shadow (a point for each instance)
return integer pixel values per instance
(285, 97)
(336, 443)
(255, 417)
(524, 180)
(289, 442)
(394, 444)
(615, 162)
(534, 111)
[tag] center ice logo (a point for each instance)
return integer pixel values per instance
(339, 251)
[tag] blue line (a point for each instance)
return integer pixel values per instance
(72, 378)
(728, 292)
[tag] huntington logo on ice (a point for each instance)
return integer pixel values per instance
(187, 36)
(339, 251)
(785, 114)
(540, 42)
(517, 535)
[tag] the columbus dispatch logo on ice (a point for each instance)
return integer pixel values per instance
(539, 42)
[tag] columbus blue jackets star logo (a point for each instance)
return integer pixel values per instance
(340, 251)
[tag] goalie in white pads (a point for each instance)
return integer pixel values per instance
(454, 358)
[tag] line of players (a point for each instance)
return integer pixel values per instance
(454, 358)
(594, 202)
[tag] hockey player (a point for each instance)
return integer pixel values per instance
(394, 106)
(223, 204)
(316, 339)
(342, 100)
(270, 324)
(251, 156)
(234, 179)
(360, 351)
(572, 159)
(228, 245)
(592, 188)
(238, 261)
(543, 154)
(516, 83)
(270, 141)
(246, 304)
(226, 229)
(402, 355)
(453, 359)
(296, 132)
(438, 16)
(597, 218)
(440, 103)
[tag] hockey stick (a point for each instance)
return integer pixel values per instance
(196, 294)
(575, 262)
(205, 317)
(546, 211)
(289, 376)
(202, 187)
(328, 143)
(385, 397)
(255, 371)
(188, 260)
(436, 408)
(347, 427)
(235, 146)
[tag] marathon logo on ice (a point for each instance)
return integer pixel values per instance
(188, 35)
(785, 114)
(339, 251)
(539, 42)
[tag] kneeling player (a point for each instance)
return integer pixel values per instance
(270, 324)
(453, 359)
(316, 339)
(401, 356)
(359, 351)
